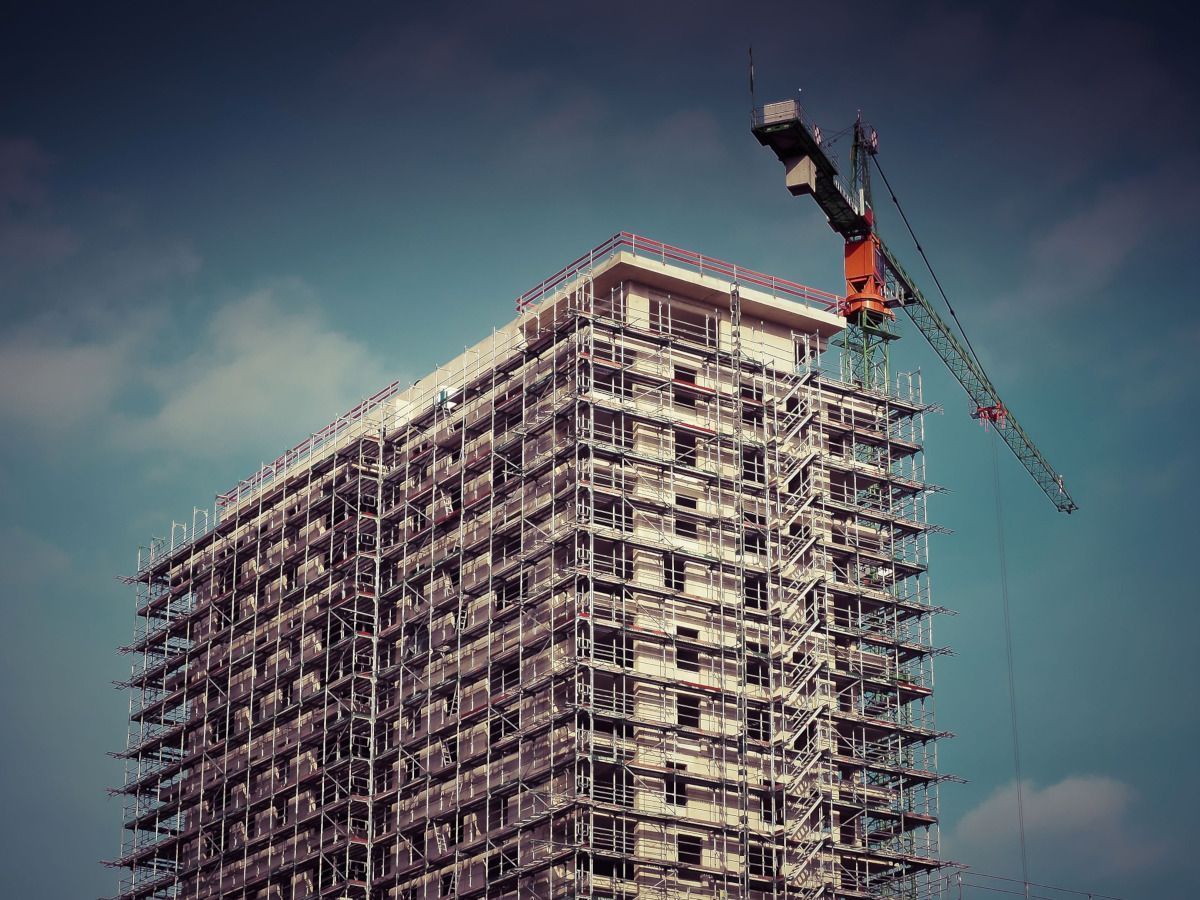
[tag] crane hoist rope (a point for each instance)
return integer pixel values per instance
(928, 265)
(1002, 554)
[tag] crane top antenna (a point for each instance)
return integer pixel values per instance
(753, 102)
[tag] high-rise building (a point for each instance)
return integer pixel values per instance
(628, 600)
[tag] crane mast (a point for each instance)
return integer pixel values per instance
(877, 285)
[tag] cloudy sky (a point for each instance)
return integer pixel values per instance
(220, 229)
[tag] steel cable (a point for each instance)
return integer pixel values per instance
(1008, 652)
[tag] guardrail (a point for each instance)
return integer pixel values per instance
(306, 448)
(648, 248)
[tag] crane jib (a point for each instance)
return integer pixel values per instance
(810, 170)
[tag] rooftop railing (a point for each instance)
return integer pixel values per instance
(648, 248)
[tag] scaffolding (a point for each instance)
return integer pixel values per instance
(628, 601)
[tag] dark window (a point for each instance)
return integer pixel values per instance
(755, 544)
(605, 350)
(752, 408)
(500, 864)
(675, 792)
(772, 807)
(756, 592)
(758, 724)
(757, 672)
(508, 545)
(753, 466)
(673, 571)
(498, 813)
(684, 396)
(612, 835)
(612, 557)
(691, 849)
(606, 867)
(685, 448)
(505, 676)
(762, 860)
(504, 723)
(689, 710)
(615, 647)
(449, 881)
(508, 593)
(613, 784)
(614, 382)
(687, 658)
(614, 429)
(617, 515)
(755, 539)
(687, 528)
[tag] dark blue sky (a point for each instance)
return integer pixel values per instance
(219, 229)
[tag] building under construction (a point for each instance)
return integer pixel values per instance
(628, 600)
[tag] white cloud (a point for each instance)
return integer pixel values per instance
(51, 382)
(261, 372)
(1081, 254)
(1079, 828)
(1079, 263)
(268, 368)
(93, 349)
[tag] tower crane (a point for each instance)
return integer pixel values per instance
(876, 283)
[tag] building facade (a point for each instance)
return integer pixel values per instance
(628, 600)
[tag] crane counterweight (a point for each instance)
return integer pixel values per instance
(865, 283)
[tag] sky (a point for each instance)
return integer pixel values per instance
(221, 226)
